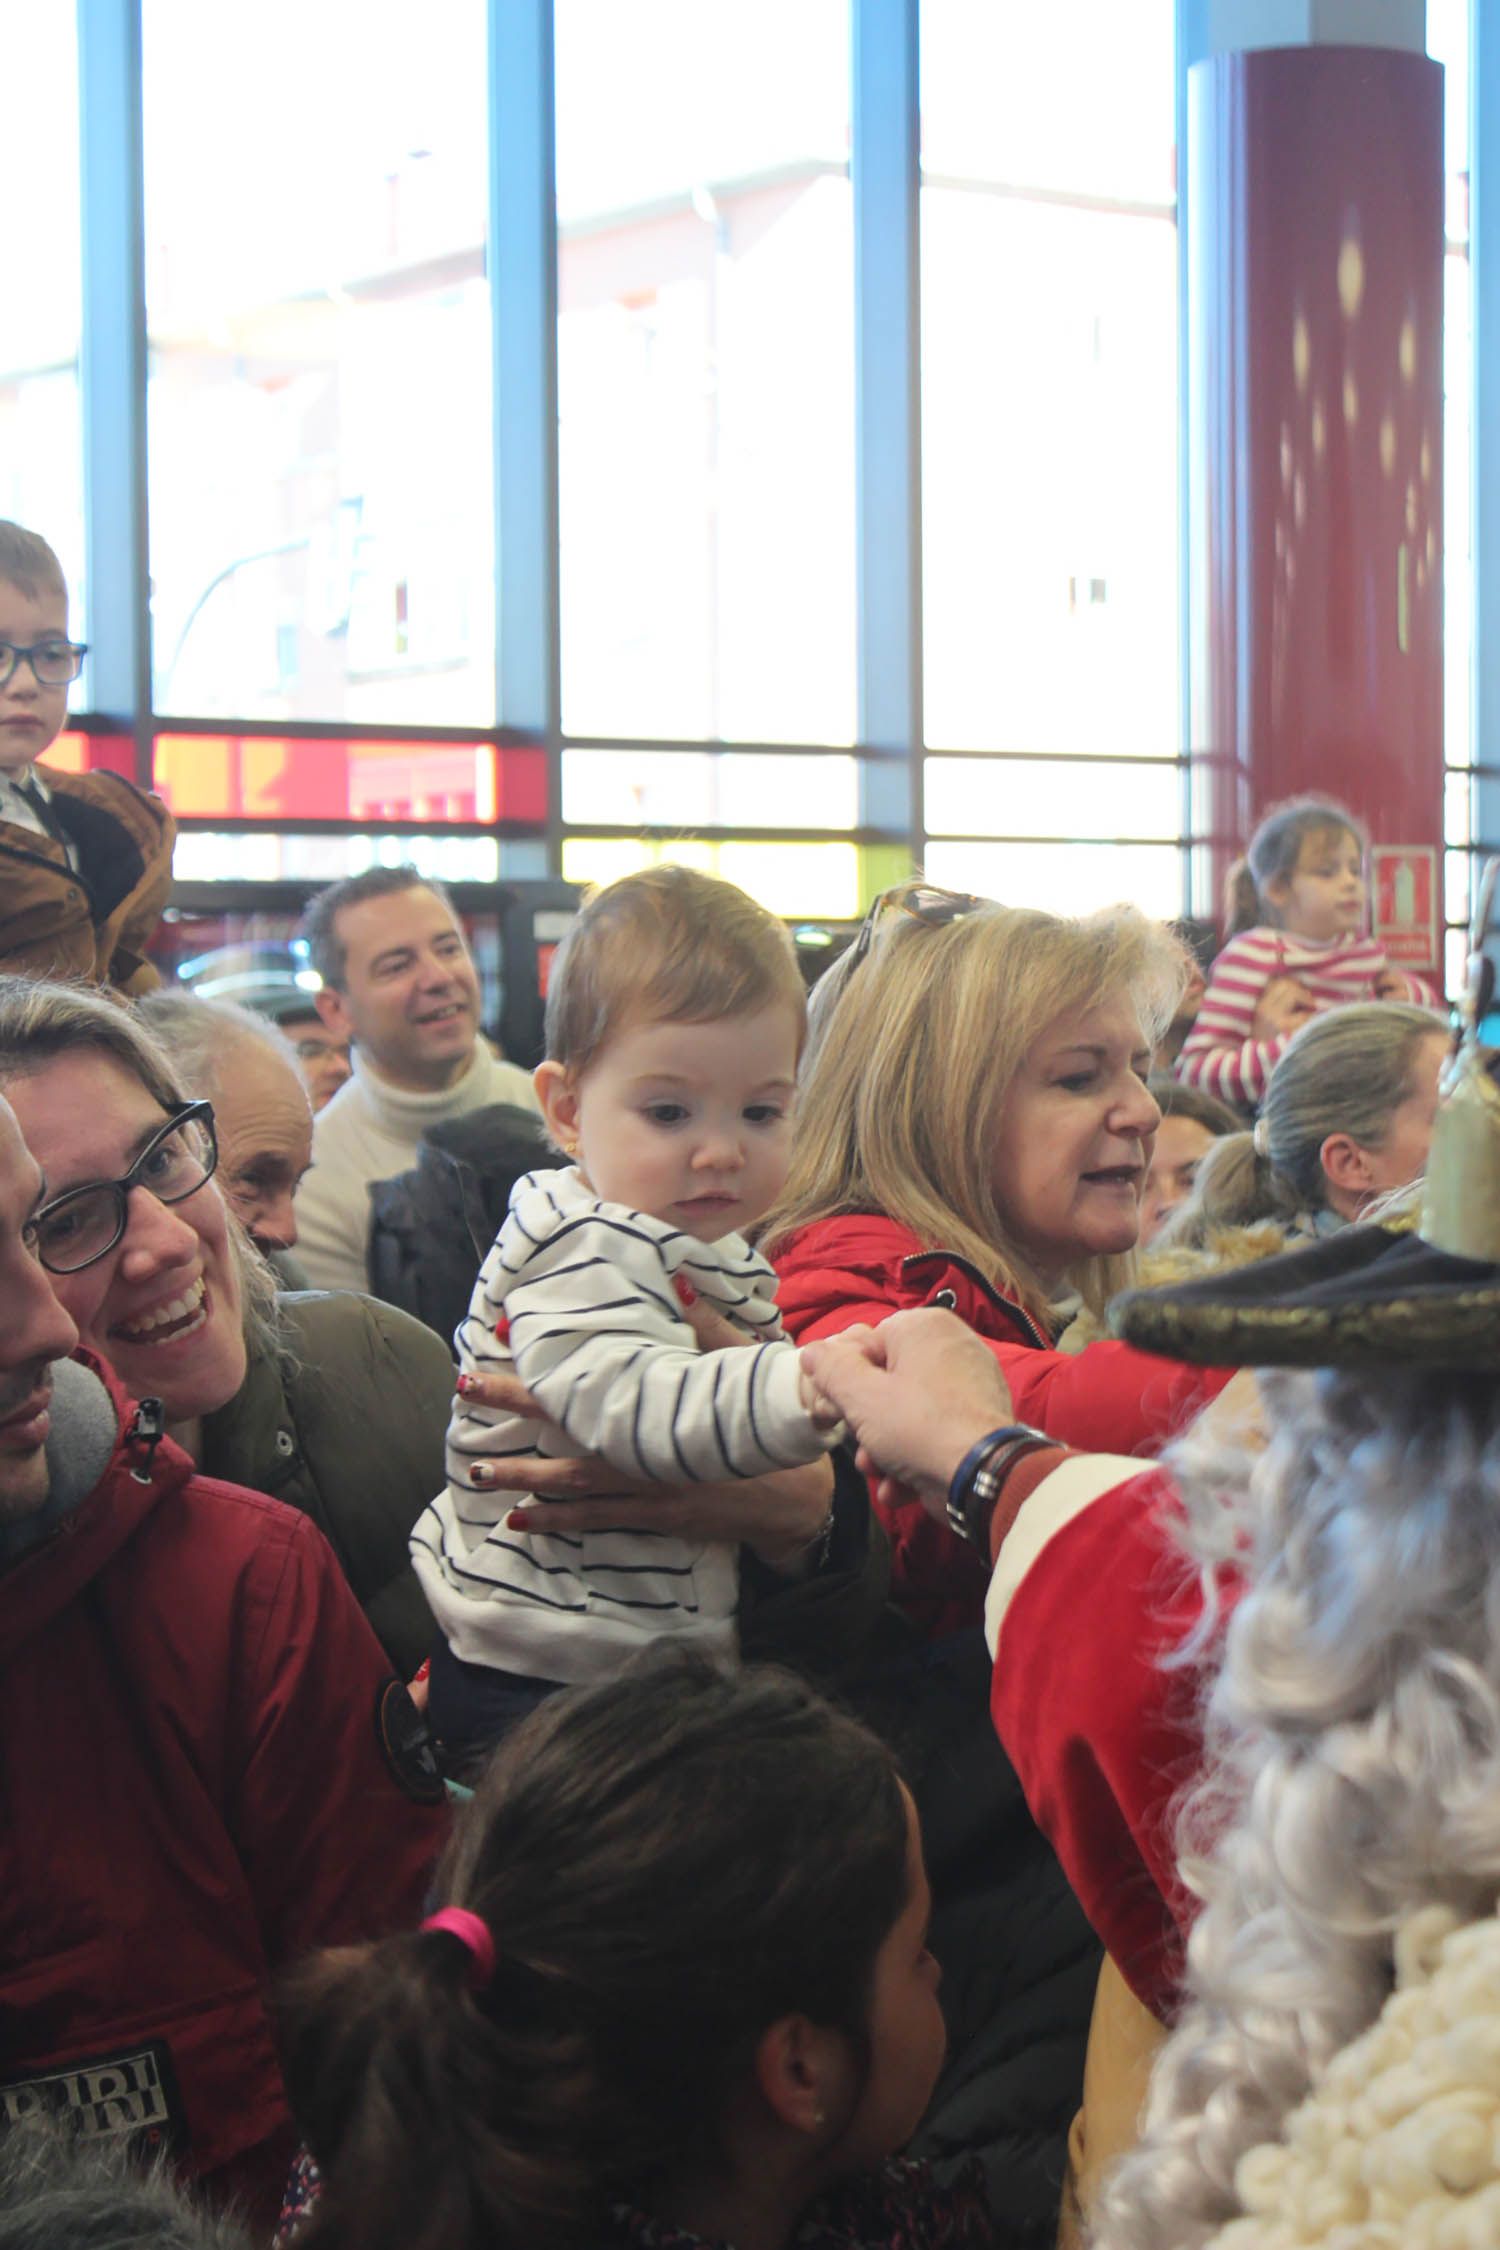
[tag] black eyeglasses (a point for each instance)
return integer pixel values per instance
(77, 1229)
(923, 901)
(53, 663)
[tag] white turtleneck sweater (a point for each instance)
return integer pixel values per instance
(370, 1131)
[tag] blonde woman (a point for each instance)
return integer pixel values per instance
(974, 1131)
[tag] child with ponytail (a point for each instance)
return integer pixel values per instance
(678, 1992)
(1293, 924)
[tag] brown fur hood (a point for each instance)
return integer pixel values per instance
(1222, 1248)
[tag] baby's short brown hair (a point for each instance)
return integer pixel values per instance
(671, 946)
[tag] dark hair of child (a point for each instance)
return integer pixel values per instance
(1275, 849)
(667, 1864)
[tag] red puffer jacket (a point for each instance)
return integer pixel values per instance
(206, 1770)
(1109, 1398)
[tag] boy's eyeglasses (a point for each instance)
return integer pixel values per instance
(76, 1229)
(924, 902)
(53, 663)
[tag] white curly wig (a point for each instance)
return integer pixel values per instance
(1352, 1767)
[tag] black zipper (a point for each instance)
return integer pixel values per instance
(1022, 1319)
(146, 1429)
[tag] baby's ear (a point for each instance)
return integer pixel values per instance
(557, 1091)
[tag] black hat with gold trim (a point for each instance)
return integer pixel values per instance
(1370, 1296)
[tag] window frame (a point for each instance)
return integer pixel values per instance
(890, 746)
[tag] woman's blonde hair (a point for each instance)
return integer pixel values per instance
(39, 1022)
(910, 1064)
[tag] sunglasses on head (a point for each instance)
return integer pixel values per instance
(924, 902)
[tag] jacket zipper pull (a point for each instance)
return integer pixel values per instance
(148, 1426)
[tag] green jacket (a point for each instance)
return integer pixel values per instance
(347, 1425)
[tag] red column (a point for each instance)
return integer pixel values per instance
(1314, 203)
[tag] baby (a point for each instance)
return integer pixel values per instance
(675, 1018)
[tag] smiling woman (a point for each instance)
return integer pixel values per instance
(333, 1404)
(974, 1131)
(160, 1298)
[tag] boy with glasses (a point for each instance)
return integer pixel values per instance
(85, 859)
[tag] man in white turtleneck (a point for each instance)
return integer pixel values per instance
(399, 981)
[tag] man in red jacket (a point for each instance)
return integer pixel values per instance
(205, 1767)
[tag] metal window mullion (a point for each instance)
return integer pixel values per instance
(112, 368)
(1484, 270)
(522, 262)
(885, 155)
(1191, 43)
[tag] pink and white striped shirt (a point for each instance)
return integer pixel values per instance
(1219, 1053)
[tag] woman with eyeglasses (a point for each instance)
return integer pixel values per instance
(336, 1405)
(974, 1131)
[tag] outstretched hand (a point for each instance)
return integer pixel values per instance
(917, 1392)
(779, 1517)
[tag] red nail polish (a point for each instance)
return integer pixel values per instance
(686, 1293)
(502, 1330)
(463, 1384)
(479, 1472)
(516, 1520)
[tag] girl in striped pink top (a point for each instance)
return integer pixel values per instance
(1295, 910)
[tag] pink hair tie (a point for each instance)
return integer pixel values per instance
(472, 1931)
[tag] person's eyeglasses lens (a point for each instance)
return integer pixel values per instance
(55, 663)
(75, 1230)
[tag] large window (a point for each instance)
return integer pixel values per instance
(705, 370)
(41, 435)
(320, 408)
(1049, 446)
(689, 587)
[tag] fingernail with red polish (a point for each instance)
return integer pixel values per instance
(686, 1293)
(516, 1520)
(463, 1384)
(480, 1472)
